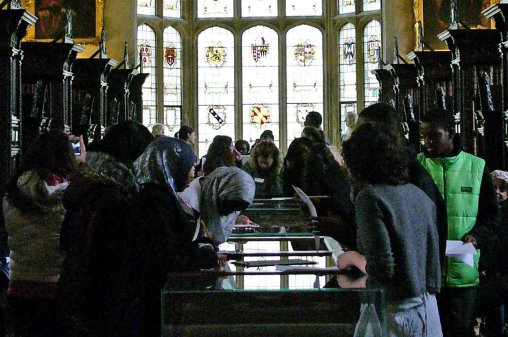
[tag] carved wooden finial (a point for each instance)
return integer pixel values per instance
(68, 23)
(15, 4)
(102, 42)
(126, 55)
(421, 40)
(396, 50)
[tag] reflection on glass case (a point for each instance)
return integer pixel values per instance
(209, 304)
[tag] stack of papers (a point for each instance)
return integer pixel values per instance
(461, 251)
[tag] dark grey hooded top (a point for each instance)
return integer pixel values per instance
(225, 185)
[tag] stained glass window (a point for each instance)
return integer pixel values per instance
(346, 109)
(216, 86)
(304, 7)
(304, 76)
(371, 54)
(260, 56)
(215, 8)
(171, 8)
(146, 7)
(251, 8)
(346, 6)
(147, 54)
(347, 62)
(371, 5)
(172, 64)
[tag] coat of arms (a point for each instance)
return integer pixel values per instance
(373, 48)
(260, 114)
(216, 55)
(171, 117)
(145, 53)
(259, 49)
(170, 54)
(216, 116)
(302, 110)
(305, 53)
(349, 51)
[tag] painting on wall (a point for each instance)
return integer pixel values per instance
(86, 17)
(436, 17)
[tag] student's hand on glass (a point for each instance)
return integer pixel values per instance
(350, 259)
(243, 220)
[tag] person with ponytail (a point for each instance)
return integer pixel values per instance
(187, 134)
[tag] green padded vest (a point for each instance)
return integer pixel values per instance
(459, 179)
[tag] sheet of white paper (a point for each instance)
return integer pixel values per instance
(306, 200)
(461, 251)
(284, 268)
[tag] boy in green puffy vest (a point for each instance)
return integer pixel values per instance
(466, 186)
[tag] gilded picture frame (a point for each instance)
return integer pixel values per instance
(434, 18)
(52, 17)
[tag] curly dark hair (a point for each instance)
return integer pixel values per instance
(266, 149)
(375, 155)
(219, 154)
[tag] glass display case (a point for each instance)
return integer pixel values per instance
(208, 303)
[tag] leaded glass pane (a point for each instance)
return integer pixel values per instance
(304, 7)
(304, 76)
(251, 8)
(147, 54)
(215, 8)
(347, 63)
(371, 5)
(260, 82)
(146, 7)
(216, 86)
(172, 8)
(371, 54)
(346, 6)
(348, 114)
(172, 64)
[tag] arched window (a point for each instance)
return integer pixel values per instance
(172, 64)
(260, 75)
(304, 67)
(266, 68)
(216, 85)
(347, 71)
(147, 52)
(371, 55)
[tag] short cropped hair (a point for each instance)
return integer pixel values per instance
(441, 119)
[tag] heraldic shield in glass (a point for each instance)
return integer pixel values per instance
(172, 78)
(147, 57)
(260, 76)
(304, 76)
(372, 49)
(216, 86)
